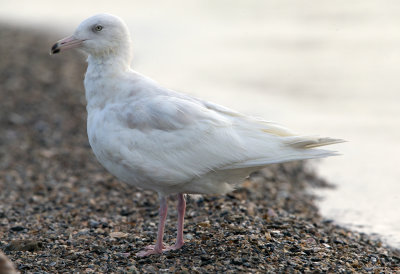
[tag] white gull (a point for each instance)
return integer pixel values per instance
(158, 139)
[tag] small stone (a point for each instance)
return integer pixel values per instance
(16, 119)
(93, 223)
(276, 233)
(118, 234)
(204, 224)
(133, 269)
(24, 245)
(237, 261)
(326, 245)
(83, 232)
(271, 213)
(98, 249)
(17, 228)
(311, 241)
(294, 249)
(308, 251)
(189, 236)
(125, 254)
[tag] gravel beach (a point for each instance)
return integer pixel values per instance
(60, 211)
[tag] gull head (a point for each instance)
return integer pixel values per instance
(99, 36)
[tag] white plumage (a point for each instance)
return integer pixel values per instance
(162, 140)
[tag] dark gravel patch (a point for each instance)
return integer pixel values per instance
(60, 211)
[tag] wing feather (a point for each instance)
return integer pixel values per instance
(211, 137)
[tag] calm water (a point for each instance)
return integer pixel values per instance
(319, 67)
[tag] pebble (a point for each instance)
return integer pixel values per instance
(17, 228)
(118, 234)
(24, 245)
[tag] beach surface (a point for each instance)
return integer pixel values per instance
(327, 68)
(60, 211)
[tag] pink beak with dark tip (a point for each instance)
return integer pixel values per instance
(66, 43)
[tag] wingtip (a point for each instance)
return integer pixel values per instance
(325, 142)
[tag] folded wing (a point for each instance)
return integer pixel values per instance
(189, 138)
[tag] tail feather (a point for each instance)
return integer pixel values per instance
(295, 148)
(312, 142)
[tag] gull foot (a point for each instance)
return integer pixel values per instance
(150, 250)
(149, 247)
(145, 253)
(174, 247)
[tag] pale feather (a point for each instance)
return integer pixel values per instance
(165, 139)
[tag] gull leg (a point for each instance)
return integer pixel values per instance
(159, 246)
(181, 216)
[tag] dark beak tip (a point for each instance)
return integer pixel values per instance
(55, 49)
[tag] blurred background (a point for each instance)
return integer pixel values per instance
(327, 68)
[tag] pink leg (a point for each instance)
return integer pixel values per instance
(159, 246)
(181, 216)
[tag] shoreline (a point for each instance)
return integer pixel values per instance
(60, 209)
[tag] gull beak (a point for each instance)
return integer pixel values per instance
(66, 43)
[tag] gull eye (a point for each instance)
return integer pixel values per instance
(97, 28)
